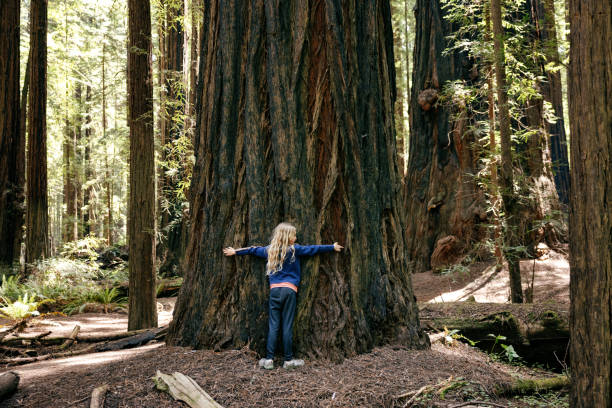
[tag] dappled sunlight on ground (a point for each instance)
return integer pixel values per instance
(93, 324)
(550, 273)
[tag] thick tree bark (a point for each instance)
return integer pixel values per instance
(444, 201)
(590, 109)
(11, 191)
(295, 122)
(37, 243)
(141, 210)
(543, 18)
(506, 181)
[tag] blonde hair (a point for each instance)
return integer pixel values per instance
(279, 247)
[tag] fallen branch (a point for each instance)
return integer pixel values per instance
(20, 341)
(97, 396)
(465, 404)
(417, 393)
(15, 351)
(17, 327)
(72, 338)
(27, 360)
(8, 384)
(184, 388)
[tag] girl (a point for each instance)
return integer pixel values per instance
(284, 274)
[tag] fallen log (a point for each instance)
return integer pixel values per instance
(27, 360)
(97, 396)
(132, 341)
(8, 384)
(128, 342)
(70, 340)
(538, 334)
(532, 386)
(21, 341)
(184, 388)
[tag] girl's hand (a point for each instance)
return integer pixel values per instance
(229, 251)
(338, 247)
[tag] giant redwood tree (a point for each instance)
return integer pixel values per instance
(445, 205)
(295, 122)
(141, 208)
(37, 243)
(11, 190)
(590, 109)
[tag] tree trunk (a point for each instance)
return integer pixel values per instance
(172, 210)
(107, 172)
(141, 210)
(88, 217)
(295, 123)
(11, 191)
(443, 199)
(590, 109)
(543, 18)
(70, 230)
(37, 244)
(506, 182)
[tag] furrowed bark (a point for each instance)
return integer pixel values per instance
(37, 243)
(11, 181)
(141, 210)
(443, 201)
(295, 122)
(590, 109)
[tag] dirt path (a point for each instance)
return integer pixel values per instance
(487, 285)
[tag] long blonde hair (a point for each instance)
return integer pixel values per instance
(279, 247)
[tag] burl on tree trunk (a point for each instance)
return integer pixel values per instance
(295, 123)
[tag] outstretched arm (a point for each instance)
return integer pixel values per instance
(253, 250)
(309, 250)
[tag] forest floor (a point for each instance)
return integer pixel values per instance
(456, 373)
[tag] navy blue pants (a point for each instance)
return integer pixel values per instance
(282, 310)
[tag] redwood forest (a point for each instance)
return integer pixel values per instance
(320, 203)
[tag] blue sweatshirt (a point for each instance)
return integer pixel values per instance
(291, 271)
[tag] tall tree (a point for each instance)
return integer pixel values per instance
(37, 244)
(543, 18)
(11, 189)
(445, 205)
(88, 213)
(506, 181)
(172, 123)
(70, 230)
(295, 122)
(590, 110)
(141, 211)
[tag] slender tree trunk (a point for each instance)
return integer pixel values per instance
(11, 191)
(494, 190)
(107, 172)
(407, 56)
(78, 162)
(141, 210)
(507, 178)
(88, 217)
(295, 122)
(37, 244)
(590, 109)
(70, 224)
(445, 205)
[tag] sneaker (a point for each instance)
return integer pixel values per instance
(268, 364)
(293, 363)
